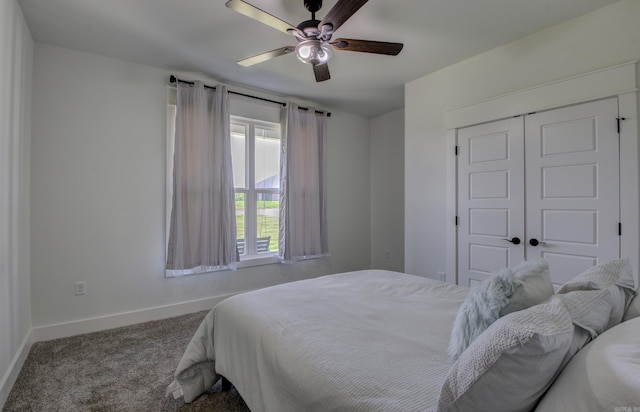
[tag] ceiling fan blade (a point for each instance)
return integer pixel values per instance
(262, 16)
(368, 46)
(263, 57)
(322, 72)
(341, 12)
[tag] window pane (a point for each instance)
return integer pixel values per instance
(267, 171)
(240, 222)
(239, 153)
(268, 221)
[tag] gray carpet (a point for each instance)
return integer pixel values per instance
(123, 369)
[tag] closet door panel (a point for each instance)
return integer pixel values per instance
(490, 198)
(572, 187)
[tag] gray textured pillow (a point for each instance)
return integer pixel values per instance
(505, 292)
(615, 272)
(598, 298)
(511, 365)
(633, 311)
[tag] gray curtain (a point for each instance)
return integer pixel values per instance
(202, 235)
(303, 185)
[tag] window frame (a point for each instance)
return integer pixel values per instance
(240, 107)
(251, 192)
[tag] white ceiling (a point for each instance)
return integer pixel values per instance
(204, 36)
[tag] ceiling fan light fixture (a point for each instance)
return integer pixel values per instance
(313, 52)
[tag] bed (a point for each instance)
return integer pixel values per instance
(376, 340)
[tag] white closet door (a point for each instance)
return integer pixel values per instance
(490, 198)
(572, 187)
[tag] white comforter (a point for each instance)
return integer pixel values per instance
(370, 340)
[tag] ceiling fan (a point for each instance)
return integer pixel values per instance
(314, 36)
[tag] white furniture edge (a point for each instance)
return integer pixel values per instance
(618, 80)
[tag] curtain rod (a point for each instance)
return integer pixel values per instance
(174, 79)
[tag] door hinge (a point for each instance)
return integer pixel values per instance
(620, 229)
(457, 150)
(457, 220)
(618, 122)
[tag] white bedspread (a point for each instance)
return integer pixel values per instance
(370, 340)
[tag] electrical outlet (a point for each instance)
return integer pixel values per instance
(80, 288)
(442, 277)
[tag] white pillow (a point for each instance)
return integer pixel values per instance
(591, 310)
(604, 376)
(633, 311)
(598, 298)
(511, 365)
(533, 285)
(505, 292)
(615, 272)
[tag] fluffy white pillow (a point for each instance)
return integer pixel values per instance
(604, 376)
(505, 292)
(511, 365)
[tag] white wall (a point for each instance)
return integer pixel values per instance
(98, 196)
(387, 191)
(599, 39)
(16, 55)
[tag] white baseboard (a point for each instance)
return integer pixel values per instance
(66, 329)
(9, 378)
(78, 327)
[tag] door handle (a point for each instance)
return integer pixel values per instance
(536, 242)
(514, 240)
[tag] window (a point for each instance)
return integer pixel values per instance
(255, 146)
